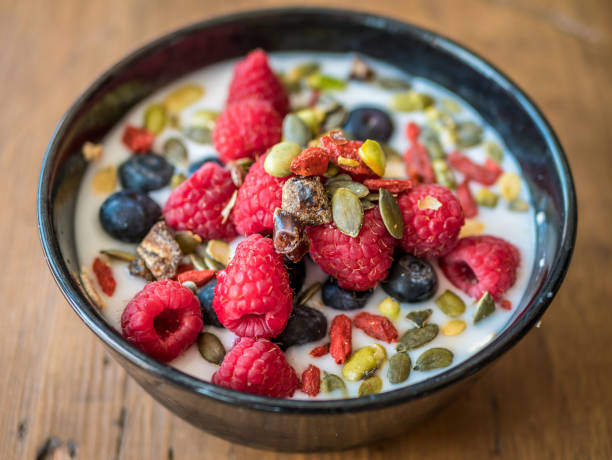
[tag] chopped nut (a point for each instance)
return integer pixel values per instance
(289, 236)
(92, 292)
(138, 268)
(160, 251)
(306, 199)
(360, 70)
(91, 151)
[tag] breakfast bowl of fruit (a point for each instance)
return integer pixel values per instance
(305, 229)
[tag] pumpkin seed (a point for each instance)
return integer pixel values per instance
(347, 211)
(357, 188)
(450, 303)
(187, 241)
(364, 362)
(391, 84)
(227, 210)
(518, 205)
(344, 161)
(390, 308)
(175, 152)
(296, 130)
(198, 261)
(183, 96)
(391, 213)
(399, 368)
(91, 291)
(307, 294)
(155, 118)
(419, 317)
(334, 119)
(325, 82)
(509, 185)
(487, 198)
(105, 180)
(91, 151)
(191, 286)
(370, 386)
(302, 70)
(212, 264)
(219, 251)
(119, 255)
(367, 205)
(410, 101)
(471, 227)
(198, 134)
(417, 337)
(467, 134)
(332, 170)
(429, 202)
(278, 160)
(291, 86)
(453, 327)
(451, 105)
(211, 348)
(374, 196)
(444, 174)
(176, 180)
(484, 307)
(332, 382)
(343, 177)
(372, 154)
(313, 117)
(494, 151)
(204, 118)
(434, 358)
(431, 141)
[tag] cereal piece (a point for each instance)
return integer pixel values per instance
(105, 180)
(160, 251)
(91, 151)
(138, 268)
(289, 236)
(306, 199)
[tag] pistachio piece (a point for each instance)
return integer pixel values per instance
(410, 101)
(364, 362)
(187, 241)
(307, 293)
(417, 337)
(344, 161)
(453, 327)
(175, 152)
(296, 130)
(325, 82)
(313, 117)
(155, 117)
(119, 255)
(487, 198)
(332, 170)
(434, 358)
(302, 70)
(211, 348)
(183, 96)
(494, 151)
(370, 386)
(347, 212)
(391, 213)
(372, 154)
(399, 368)
(450, 303)
(419, 317)
(390, 308)
(278, 160)
(484, 307)
(518, 205)
(509, 185)
(218, 250)
(105, 180)
(332, 382)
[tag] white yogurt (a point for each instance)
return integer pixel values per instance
(518, 228)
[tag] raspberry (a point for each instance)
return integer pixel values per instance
(253, 79)
(338, 146)
(259, 367)
(197, 203)
(257, 199)
(432, 220)
(138, 140)
(162, 320)
(253, 297)
(357, 263)
(246, 129)
(482, 263)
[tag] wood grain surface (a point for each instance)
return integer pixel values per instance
(549, 397)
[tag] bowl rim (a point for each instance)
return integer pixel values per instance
(463, 370)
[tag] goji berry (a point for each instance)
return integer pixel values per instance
(376, 326)
(340, 334)
(182, 268)
(418, 164)
(486, 175)
(412, 131)
(104, 274)
(319, 351)
(138, 140)
(391, 185)
(199, 277)
(311, 380)
(311, 162)
(470, 208)
(506, 304)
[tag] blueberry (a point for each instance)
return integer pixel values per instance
(144, 173)
(305, 325)
(411, 279)
(128, 215)
(193, 167)
(343, 299)
(369, 123)
(205, 296)
(297, 274)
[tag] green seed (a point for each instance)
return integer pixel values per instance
(494, 151)
(187, 241)
(313, 117)
(175, 152)
(390, 308)
(487, 198)
(198, 134)
(434, 358)
(155, 118)
(227, 210)
(183, 96)
(431, 141)
(410, 101)
(344, 161)
(399, 368)
(176, 180)
(451, 105)
(332, 170)
(218, 250)
(211, 348)
(278, 160)
(347, 212)
(391, 214)
(302, 70)
(204, 118)
(419, 317)
(467, 134)
(198, 261)
(119, 254)
(484, 307)
(370, 386)
(212, 264)
(332, 382)
(417, 337)
(518, 205)
(307, 294)
(451, 304)
(357, 188)
(364, 362)
(334, 119)
(367, 205)
(325, 82)
(444, 174)
(391, 84)
(338, 177)
(296, 130)
(374, 197)
(372, 154)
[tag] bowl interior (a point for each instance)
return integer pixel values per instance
(417, 52)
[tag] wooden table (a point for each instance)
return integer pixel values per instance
(550, 397)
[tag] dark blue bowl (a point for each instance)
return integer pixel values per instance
(308, 425)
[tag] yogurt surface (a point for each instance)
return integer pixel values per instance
(517, 228)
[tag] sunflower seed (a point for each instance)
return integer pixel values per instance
(175, 152)
(347, 212)
(419, 317)
(399, 368)
(187, 241)
(91, 151)
(509, 185)
(370, 386)
(91, 291)
(155, 118)
(484, 307)
(183, 96)
(307, 294)
(391, 213)
(434, 358)
(450, 303)
(119, 254)
(344, 161)
(211, 348)
(417, 337)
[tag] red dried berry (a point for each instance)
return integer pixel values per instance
(340, 334)
(391, 185)
(311, 162)
(376, 326)
(199, 277)
(138, 140)
(418, 165)
(506, 304)
(311, 380)
(412, 131)
(182, 268)
(486, 174)
(319, 351)
(337, 146)
(104, 274)
(464, 195)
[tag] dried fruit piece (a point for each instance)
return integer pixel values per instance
(340, 334)
(187, 241)
(198, 277)
(211, 348)
(390, 308)
(376, 326)
(155, 117)
(370, 386)
(160, 251)
(434, 358)
(494, 151)
(105, 180)
(289, 236)
(306, 199)
(138, 140)
(311, 380)
(347, 212)
(506, 304)
(91, 151)
(332, 382)
(278, 160)
(183, 96)
(373, 156)
(360, 70)
(487, 198)
(91, 291)
(311, 162)
(391, 214)
(464, 195)
(450, 303)
(417, 337)
(399, 368)
(509, 185)
(119, 254)
(410, 101)
(319, 351)
(419, 317)
(307, 294)
(364, 362)
(219, 251)
(325, 82)
(104, 275)
(418, 164)
(484, 307)
(471, 227)
(453, 327)
(486, 175)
